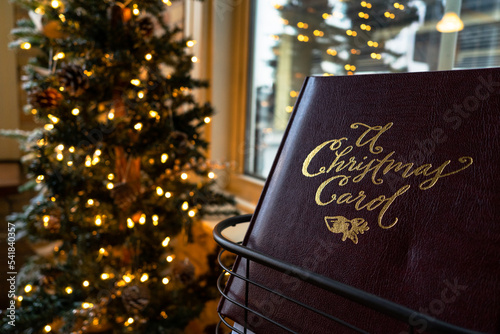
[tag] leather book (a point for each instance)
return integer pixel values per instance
(388, 183)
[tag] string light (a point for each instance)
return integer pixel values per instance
(127, 278)
(153, 113)
(184, 176)
(211, 175)
(142, 219)
(165, 242)
(289, 109)
(39, 178)
(28, 288)
(167, 2)
(135, 82)
(111, 176)
(47, 328)
(140, 94)
(40, 10)
(302, 38)
(86, 305)
(102, 251)
(165, 280)
(90, 201)
(111, 115)
(136, 10)
(318, 33)
(55, 4)
(190, 43)
(59, 55)
(170, 258)
(326, 15)
(46, 220)
(144, 277)
(331, 52)
(53, 118)
(88, 161)
(194, 59)
(110, 185)
(62, 17)
(26, 46)
(138, 126)
(159, 191)
(185, 206)
(68, 290)
(191, 213)
(155, 220)
(104, 276)
(149, 56)
(130, 223)
(59, 157)
(98, 220)
(129, 321)
(168, 194)
(164, 157)
(86, 283)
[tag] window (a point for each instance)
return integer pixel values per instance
(296, 38)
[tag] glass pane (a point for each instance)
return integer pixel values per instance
(296, 38)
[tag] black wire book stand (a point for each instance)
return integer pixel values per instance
(386, 307)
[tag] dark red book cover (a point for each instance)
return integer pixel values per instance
(389, 183)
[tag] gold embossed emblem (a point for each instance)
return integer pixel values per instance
(349, 228)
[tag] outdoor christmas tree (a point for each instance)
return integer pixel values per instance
(120, 172)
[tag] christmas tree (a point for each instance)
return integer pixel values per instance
(120, 172)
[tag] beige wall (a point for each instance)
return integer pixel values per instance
(9, 107)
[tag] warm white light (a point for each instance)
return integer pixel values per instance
(48, 127)
(59, 156)
(191, 213)
(149, 56)
(140, 95)
(26, 46)
(168, 194)
(90, 201)
(28, 288)
(165, 242)
(136, 11)
(75, 111)
(110, 185)
(450, 23)
(190, 43)
(87, 305)
(104, 276)
(130, 223)
(138, 126)
(144, 277)
(59, 55)
(111, 115)
(142, 219)
(159, 191)
(127, 278)
(153, 113)
(98, 152)
(53, 118)
(68, 290)
(211, 175)
(185, 206)
(111, 176)
(102, 251)
(167, 2)
(165, 280)
(164, 157)
(184, 176)
(47, 328)
(135, 82)
(86, 283)
(55, 4)
(207, 120)
(98, 220)
(170, 258)
(194, 59)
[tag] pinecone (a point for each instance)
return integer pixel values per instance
(124, 195)
(136, 297)
(184, 271)
(146, 26)
(72, 78)
(47, 99)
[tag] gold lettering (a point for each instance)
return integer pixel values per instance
(380, 130)
(398, 193)
(432, 181)
(342, 182)
(336, 143)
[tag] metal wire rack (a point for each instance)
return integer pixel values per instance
(386, 307)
